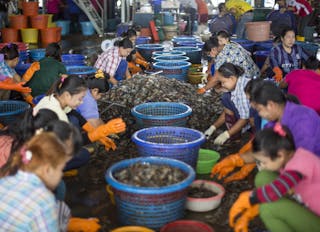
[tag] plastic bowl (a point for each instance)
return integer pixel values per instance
(187, 226)
(206, 160)
(132, 229)
(205, 204)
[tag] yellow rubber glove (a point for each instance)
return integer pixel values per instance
(99, 74)
(227, 165)
(10, 84)
(35, 66)
(108, 143)
(112, 127)
(246, 211)
(278, 75)
(83, 225)
(240, 175)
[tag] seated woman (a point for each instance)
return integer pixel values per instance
(42, 74)
(287, 56)
(231, 53)
(236, 112)
(113, 61)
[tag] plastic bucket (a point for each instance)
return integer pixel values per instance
(9, 35)
(146, 50)
(176, 70)
(170, 31)
(30, 8)
(143, 40)
(260, 57)
(193, 53)
(39, 21)
(87, 28)
(37, 54)
(168, 18)
(152, 207)
(172, 58)
(206, 160)
(18, 21)
(65, 25)
(50, 17)
(258, 31)
(29, 35)
(50, 35)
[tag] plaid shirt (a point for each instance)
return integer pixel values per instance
(5, 70)
(287, 62)
(26, 204)
(238, 97)
(235, 54)
(109, 61)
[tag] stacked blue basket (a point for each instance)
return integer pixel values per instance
(148, 206)
(170, 142)
(176, 70)
(194, 53)
(11, 110)
(168, 53)
(80, 70)
(172, 58)
(73, 59)
(161, 114)
(37, 54)
(197, 44)
(146, 50)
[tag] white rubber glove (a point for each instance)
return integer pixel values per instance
(210, 131)
(222, 138)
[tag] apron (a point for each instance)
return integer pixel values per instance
(121, 70)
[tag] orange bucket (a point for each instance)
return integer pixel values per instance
(258, 31)
(39, 21)
(18, 21)
(10, 35)
(30, 8)
(50, 35)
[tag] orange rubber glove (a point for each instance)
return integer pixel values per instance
(82, 224)
(227, 165)
(35, 66)
(10, 84)
(112, 127)
(201, 91)
(108, 143)
(29, 99)
(240, 175)
(88, 127)
(246, 211)
(277, 74)
(143, 63)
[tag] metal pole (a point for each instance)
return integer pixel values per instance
(123, 10)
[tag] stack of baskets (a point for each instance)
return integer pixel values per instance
(11, 111)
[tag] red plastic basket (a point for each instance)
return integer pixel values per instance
(186, 225)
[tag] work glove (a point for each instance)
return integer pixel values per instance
(108, 143)
(210, 131)
(99, 74)
(225, 166)
(35, 66)
(29, 99)
(246, 211)
(222, 138)
(201, 90)
(9, 84)
(88, 127)
(82, 224)
(277, 74)
(240, 175)
(142, 63)
(112, 127)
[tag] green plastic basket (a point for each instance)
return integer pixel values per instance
(206, 160)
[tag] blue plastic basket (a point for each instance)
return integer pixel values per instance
(11, 111)
(197, 44)
(149, 206)
(65, 25)
(161, 114)
(246, 44)
(23, 56)
(184, 38)
(310, 48)
(143, 40)
(80, 70)
(171, 142)
(260, 57)
(263, 46)
(171, 58)
(73, 59)
(146, 50)
(193, 53)
(168, 53)
(176, 70)
(87, 28)
(37, 54)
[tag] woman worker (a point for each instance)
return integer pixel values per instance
(113, 61)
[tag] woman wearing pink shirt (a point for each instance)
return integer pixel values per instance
(288, 185)
(53, 7)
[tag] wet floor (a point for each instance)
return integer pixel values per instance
(86, 192)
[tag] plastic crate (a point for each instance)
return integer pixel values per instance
(146, 50)
(37, 54)
(193, 53)
(167, 58)
(151, 207)
(11, 110)
(73, 59)
(80, 70)
(171, 142)
(161, 114)
(246, 44)
(177, 70)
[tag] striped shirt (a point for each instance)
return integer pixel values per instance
(109, 61)
(285, 61)
(6, 71)
(26, 204)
